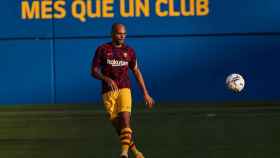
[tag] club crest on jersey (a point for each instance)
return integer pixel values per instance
(125, 55)
(109, 53)
(117, 62)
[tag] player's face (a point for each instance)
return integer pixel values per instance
(119, 35)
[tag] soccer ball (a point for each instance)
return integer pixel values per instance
(235, 82)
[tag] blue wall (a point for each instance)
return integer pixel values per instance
(182, 59)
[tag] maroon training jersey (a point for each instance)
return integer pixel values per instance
(114, 63)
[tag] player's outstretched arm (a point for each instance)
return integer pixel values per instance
(138, 75)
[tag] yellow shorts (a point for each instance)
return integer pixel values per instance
(116, 102)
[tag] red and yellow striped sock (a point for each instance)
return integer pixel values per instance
(125, 139)
(133, 148)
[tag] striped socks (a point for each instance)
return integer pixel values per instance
(125, 139)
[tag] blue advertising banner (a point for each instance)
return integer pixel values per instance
(185, 48)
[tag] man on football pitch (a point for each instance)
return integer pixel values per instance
(110, 65)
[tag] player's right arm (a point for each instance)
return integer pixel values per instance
(96, 70)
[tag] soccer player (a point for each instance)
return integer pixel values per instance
(110, 64)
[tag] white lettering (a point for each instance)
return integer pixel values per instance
(117, 62)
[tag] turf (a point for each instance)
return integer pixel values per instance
(165, 132)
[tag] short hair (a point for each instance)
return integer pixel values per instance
(113, 29)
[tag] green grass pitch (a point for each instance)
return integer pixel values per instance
(61, 131)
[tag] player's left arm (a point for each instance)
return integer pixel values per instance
(138, 75)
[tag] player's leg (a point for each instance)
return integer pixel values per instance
(124, 101)
(132, 146)
(116, 125)
(125, 133)
(111, 106)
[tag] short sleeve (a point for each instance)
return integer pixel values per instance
(97, 59)
(133, 59)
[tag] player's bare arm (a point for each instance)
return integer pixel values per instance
(138, 75)
(98, 74)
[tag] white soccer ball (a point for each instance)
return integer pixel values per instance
(235, 82)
